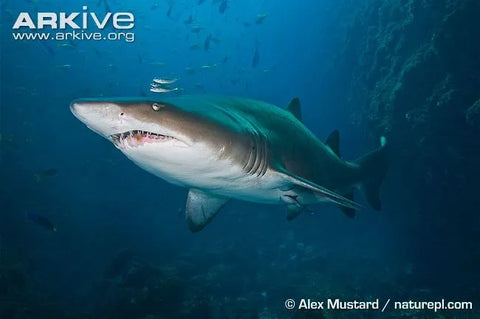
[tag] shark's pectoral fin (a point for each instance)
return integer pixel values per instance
(318, 190)
(201, 208)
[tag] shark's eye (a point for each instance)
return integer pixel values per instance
(156, 106)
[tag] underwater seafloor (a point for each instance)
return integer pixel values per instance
(408, 70)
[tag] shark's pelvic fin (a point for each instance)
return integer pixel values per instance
(319, 190)
(294, 108)
(201, 208)
(294, 207)
(333, 141)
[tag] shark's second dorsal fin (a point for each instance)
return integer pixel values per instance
(201, 208)
(333, 141)
(294, 108)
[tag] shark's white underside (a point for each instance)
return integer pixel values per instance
(196, 167)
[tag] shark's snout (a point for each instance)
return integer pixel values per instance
(84, 109)
(77, 107)
(100, 116)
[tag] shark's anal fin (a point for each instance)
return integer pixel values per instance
(294, 108)
(201, 208)
(333, 141)
(349, 212)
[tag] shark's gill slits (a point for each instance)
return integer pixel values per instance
(137, 138)
(257, 163)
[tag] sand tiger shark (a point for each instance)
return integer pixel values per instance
(231, 147)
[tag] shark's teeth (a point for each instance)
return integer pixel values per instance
(137, 138)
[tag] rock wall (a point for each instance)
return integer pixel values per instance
(412, 72)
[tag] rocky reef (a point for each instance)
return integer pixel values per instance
(411, 70)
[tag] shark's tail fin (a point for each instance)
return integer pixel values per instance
(373, 168)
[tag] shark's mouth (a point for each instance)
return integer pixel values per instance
(137, 138)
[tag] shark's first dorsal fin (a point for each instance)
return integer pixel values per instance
(201, 208)
(294, 108)
(333, 141)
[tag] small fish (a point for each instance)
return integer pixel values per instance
(41, 221)
(157, 63)
(170, 8)
(206, 44)
(107, 6)
(65, 45)
(48, 48)
(208, 66)
(162, 90)
(189, 20)
(7, 140)
(164, 81)
(105, 3)
(196, 28)
(97, 52)
(63, 66)
(260, 18)
(40, 176)
(223, 6)
(194, 46)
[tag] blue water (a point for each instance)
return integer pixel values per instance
(249, 259)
